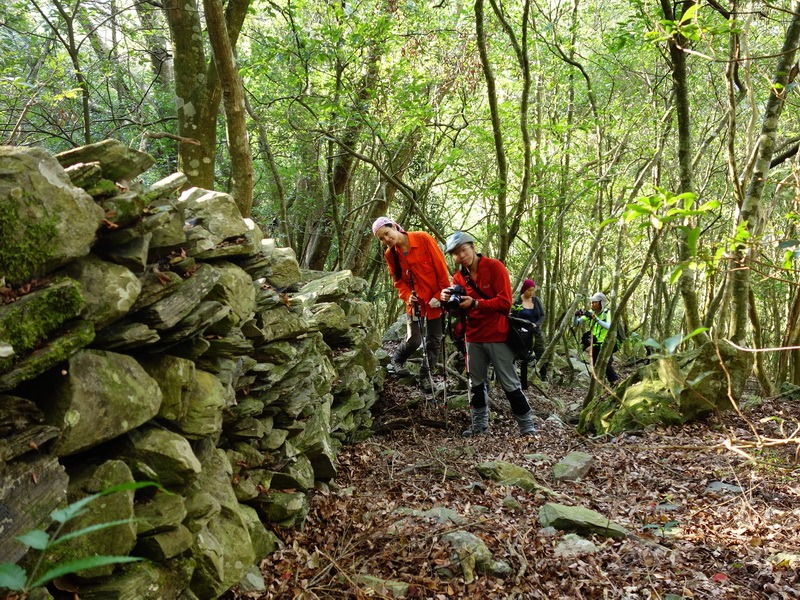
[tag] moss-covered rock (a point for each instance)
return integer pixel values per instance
(44, 220)
(70, 340)
(32, 318)
(672, 390)
(102, 395)
(118, 506)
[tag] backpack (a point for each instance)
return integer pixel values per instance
(520, 337)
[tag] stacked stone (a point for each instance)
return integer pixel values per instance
(150, 333)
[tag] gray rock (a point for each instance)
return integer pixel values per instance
(205, 401)
(102, 395)
(169, 311)
(164, 188)
(472, 554)
(156, 454)
(506, 473)
(234, 288)
(571, 546)
(580, 520)
(721, 486)
(116, 160)
(223, 548)
(132, 255)
(573, 466)
(126, 336)
(164, 544)
(214, 220)
(118, 506)
(29, 491)
(161, 512)
(174, 376)
(382, 587)
(109, 290)
(143, 581)
(45, 221)
(330, 288)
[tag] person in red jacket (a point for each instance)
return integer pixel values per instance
(486, 300)
(419, 272)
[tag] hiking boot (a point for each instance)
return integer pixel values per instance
(425, 384)
(397, 369)
(525, 422)
(480, 423)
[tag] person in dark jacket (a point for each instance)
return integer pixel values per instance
(486, 300)
(528, 306)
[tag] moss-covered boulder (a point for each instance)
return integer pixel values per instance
(118, 506)
(223, 548)
(70, 340)
(117, 161)
(157, 454)
(175, 377)
(110, 290)
(673, 389)
(101, 395)
(45, 221)
(204, 406)
(33, 317)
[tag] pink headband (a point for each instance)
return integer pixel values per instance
(383, 221)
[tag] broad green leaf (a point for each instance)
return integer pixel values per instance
(36, 539)
(651, 343)
(697, 331)
(12, 577)
(671, 343)
(80, 564)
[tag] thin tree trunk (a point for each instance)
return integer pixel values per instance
(497, 132)
(751, 215)
(233, 100)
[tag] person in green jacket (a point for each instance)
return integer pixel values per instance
(599, 318)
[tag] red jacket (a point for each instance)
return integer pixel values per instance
(488, 322)
(427, 267)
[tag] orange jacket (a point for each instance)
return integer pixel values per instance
(424, 265)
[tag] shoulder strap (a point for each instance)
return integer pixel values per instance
(468, 279)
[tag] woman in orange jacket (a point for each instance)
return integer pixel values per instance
(419, 273)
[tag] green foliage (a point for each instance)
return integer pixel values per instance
(671, 344)
(16, 579)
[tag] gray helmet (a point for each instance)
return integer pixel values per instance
(459, 238)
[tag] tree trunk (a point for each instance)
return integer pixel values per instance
(233, 100)
(680, 90)
(497, 133)
(197, 87)
(751, 216)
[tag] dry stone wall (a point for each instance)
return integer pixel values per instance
(151, 333)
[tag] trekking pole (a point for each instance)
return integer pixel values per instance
(443, 357)
(423, 332)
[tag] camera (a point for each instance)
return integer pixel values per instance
(584, 313)
(456, 297)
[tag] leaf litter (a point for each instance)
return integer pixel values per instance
(691, 540)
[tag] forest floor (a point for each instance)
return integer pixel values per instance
(712, 506)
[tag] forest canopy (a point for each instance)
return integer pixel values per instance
(645, 149)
